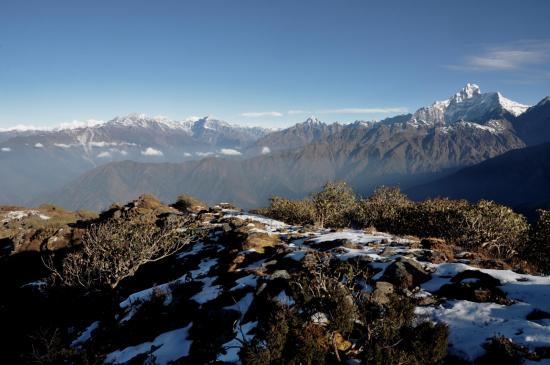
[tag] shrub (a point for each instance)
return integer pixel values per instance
(442, 218)
(334, 204)
(538, 250)
(115, 250)
(501, 350)
(382, 209)
(297, 212)
(495, 228)
(187, 203)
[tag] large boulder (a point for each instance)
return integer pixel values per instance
(405, 273)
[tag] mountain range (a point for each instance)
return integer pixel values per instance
(215, 161)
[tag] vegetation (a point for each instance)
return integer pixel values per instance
(484, 226)
(329, 317)
(187, 203)
(114, 250)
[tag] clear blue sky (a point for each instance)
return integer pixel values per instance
(237, 60)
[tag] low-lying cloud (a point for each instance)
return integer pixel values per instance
(150, 151)
(230, 152)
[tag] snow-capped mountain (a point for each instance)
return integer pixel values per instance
(39, 160)
(469, 104)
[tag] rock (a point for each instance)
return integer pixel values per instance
(258, 241)
(387, 252)
(474, 286)
(405, 274)
(382, 293)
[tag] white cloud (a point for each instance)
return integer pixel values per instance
(6, 149)
(230, 152)
(104, 154)
(363, 110)
(123, 153)
(75, 124)
(152, 152)
(204, 154)
(62, 145)
(187, 154)
(514, 56)
(266, 150)
(261, 114)
(38, 145)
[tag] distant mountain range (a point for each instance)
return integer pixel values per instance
(38, 161)
(118, 160)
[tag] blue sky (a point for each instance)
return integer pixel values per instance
(270, 63)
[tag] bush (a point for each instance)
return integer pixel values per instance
(187, 203)
(495, 228)
(383, 209)
(538, 250)
(115, 250)
(441, 218)
(334, 204)
(296, 212)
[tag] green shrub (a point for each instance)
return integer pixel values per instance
(296, 212)
(383, 209)
(495, 228)
(441, 218)
(334, 205)
(187, 203)
(538, 249)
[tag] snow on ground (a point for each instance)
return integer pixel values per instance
(471, 324)
(86, 334)
(20, 214)
(167, 347)
(272, 225)
(208, 292)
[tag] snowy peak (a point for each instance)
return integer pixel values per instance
(468, 104)
(469, 91)
(312, 121)
(514, 108)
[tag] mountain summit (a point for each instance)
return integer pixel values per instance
(469, 104)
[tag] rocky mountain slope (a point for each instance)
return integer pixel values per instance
(214, 300)
(518, 178)
(362, 154)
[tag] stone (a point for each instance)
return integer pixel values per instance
(405, 274)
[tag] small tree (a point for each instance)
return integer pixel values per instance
(333, 204)
(114, 250)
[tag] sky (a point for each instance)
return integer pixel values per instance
(258, 62)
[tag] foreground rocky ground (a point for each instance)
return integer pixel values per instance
(209, 303)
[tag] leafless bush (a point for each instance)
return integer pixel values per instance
(115, 250)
